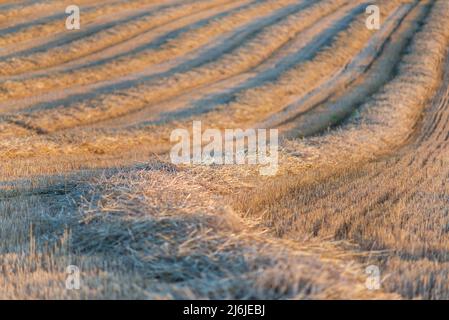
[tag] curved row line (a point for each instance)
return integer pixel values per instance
(100, 37)
(251, 53)
(175, 40)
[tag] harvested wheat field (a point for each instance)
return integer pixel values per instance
(87, 178)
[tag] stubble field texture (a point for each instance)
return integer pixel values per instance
(86, 178)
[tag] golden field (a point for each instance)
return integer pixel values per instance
(86, 178)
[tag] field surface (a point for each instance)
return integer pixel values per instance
(86, 178)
